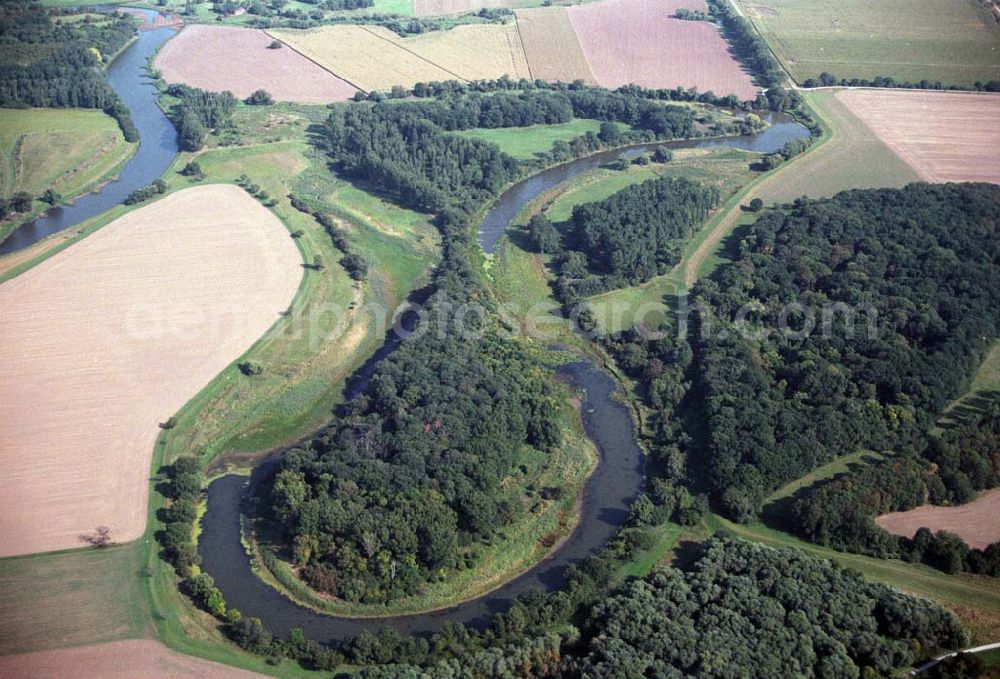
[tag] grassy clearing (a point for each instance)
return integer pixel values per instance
(525, 142)
(521, 545)
(665, 536)
(72, 598)
(69, 150)
(954, 41)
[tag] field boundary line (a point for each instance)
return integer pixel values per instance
(409, 51)
(309, 58)
(520, 41)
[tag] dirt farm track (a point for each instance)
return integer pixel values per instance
(112, 336)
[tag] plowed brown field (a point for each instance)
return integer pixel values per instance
(551, 46)
(218, 58)
(112, 336)
(978, 522)
(943, 136)
(638, 41)
(116, 660)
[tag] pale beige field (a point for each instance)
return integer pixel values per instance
(551, 45)
(978, 522)
(943, 136)
(115, 660)
(375, 58)
(218, 58)
(110, 337)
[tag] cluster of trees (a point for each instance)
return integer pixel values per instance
(328, 12)
(259, 98)
(692, 14)
(157, 188)
(829, 80)
(787, 152)
(58, 65)
(386, 499)
(633, 235)
(354, 264)
(20, 202)
(749, 610)
(947, 471)
(183, 487)
(749, 46)
(198, 112)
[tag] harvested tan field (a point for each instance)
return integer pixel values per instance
(218, 58)
(375, 58)
(638, 41)
(551, 46)
(429, 8)
(112, 336)
(116, 660)
(473, 51)
(978, 522)
(943, 136)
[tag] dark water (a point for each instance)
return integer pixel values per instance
(157, 146)
(605, 504)
(782, 130)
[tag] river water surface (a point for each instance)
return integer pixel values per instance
(606, 498)
(157, 147)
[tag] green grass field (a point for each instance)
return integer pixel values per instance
(954, 41)
(839, 466)
(69, 150)
(525, 142)
(983, 391)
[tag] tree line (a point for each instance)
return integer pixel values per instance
(829, 80)
(51, 64)
(949, 470)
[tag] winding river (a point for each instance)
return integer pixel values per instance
(157, 147)
(606, 497)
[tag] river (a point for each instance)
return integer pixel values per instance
(606, 497)
(157, 147)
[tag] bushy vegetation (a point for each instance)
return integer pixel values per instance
(157, 188)
(59, 64)
(198, 112)
(917, 262)
(183, 487)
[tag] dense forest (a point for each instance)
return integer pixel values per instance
(917, 265)
(741, 610)
(955, 464)
(46, 63)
